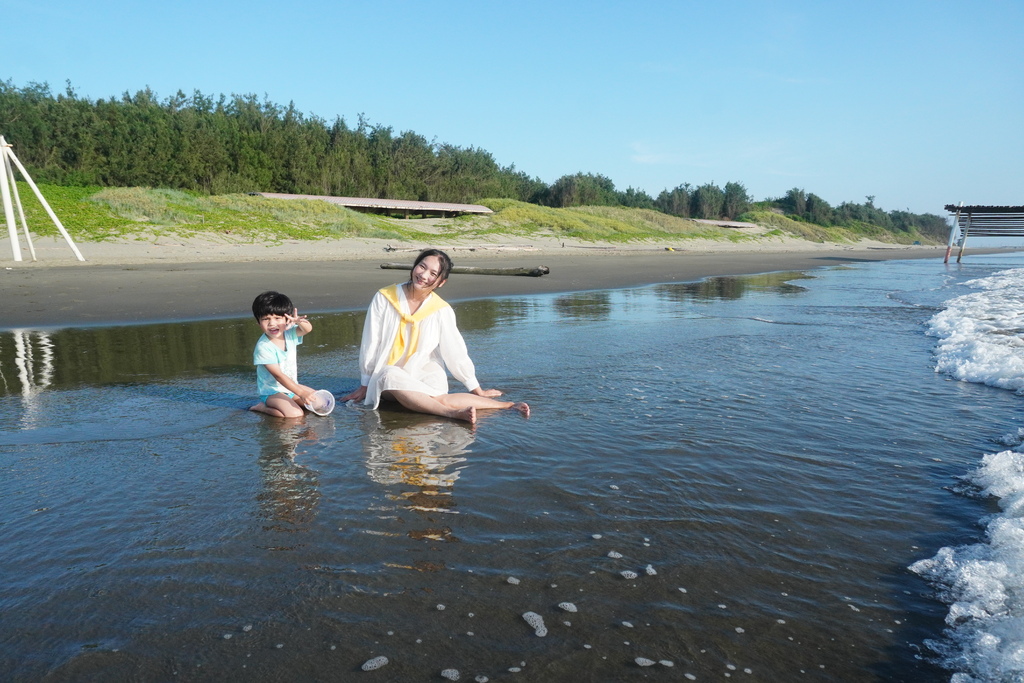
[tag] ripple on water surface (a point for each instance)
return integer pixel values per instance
(702, 486)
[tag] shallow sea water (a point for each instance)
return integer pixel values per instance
(768, 455)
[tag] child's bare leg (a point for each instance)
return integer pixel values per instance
(279, 405)
(432, 405)
(261, 407)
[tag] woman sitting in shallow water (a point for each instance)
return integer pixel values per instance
(409, 337)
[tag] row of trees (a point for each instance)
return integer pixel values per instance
(811, 208)
(707, 201)
(244, 144)
(239, 144)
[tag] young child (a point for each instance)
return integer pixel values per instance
(275, 356)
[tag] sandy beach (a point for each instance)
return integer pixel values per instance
(166, 278)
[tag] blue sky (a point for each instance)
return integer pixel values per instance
(918, 103)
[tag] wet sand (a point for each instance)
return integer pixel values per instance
(203, 283)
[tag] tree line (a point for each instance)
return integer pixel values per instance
(244, 144)
(709, 201)
(811, 208)
(239, 144)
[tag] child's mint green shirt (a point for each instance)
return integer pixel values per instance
(268, 353)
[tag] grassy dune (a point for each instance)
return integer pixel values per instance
(96, 214)
(817, 233)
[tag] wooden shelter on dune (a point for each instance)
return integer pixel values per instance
(390, 207)
(982, 221)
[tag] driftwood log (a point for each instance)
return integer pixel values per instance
(480, 247)
(472, 270)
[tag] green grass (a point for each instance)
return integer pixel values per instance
(79, 216)
(240, 215)
(93, 213)
(96, 214)
(589, 223)
(818, 233)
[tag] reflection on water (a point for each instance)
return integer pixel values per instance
(290, 493)
(485, 314)
(417, 457)
(32, 360)
(584, 305)
(72, 357)
(31, 369)
(715, 288)
(764, 484)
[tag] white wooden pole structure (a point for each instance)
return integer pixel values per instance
(5, 195)
(952, 234)
(9, 157)
(963, 237)
(21, 210)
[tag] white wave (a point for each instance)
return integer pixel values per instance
(981, 339)
(984, 583)
(981, 334)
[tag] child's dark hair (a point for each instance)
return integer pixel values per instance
(272, 303)
(446, 262)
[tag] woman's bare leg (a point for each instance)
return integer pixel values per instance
(481, 403)
(456, 406)
(424, 403)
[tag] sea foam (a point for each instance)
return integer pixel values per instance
(536, 622)
(981, 339)
(984, 582)
(980, 334)
(375, 663)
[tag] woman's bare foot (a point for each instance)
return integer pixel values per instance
(522, 408)
(467, 414)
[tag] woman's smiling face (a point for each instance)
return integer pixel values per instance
(425, 275)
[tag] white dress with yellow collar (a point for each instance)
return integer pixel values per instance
(400, 351)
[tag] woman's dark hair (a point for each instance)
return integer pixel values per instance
(272, 303)
(446, 262)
